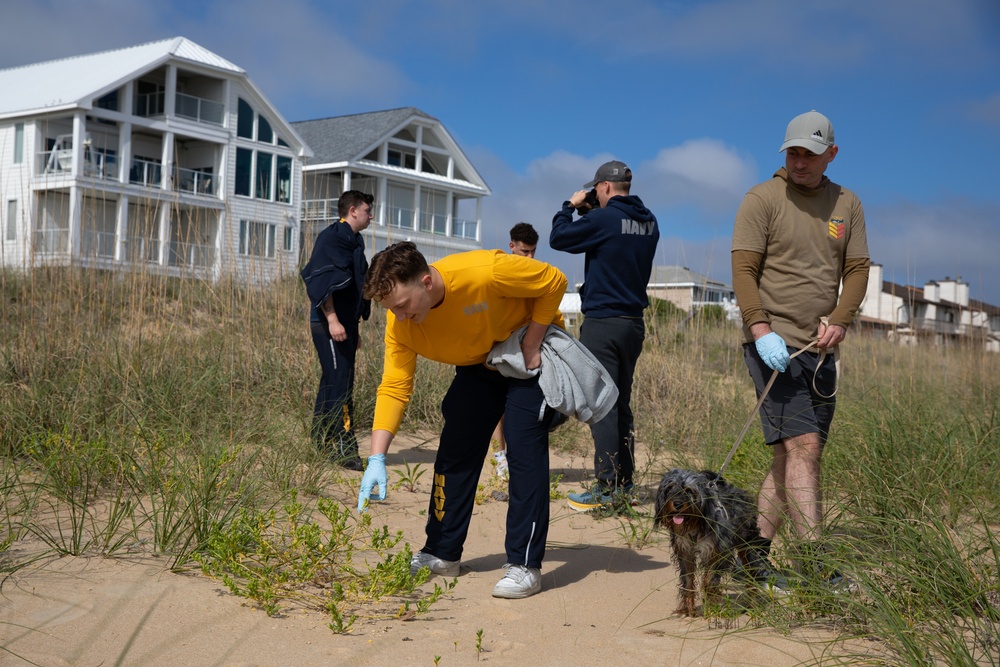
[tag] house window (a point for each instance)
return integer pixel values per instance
(284, 177)
(265, 134)
(399, 158)
(109, 101)
(244, 120)
(256, 239)
(149, 98)
(264, 179)
(244, 168)
(287, 244)
(18, 143)
(11, 220)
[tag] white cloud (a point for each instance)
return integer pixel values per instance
(702, 172)
(703, 177)
(303, 54)
(298, 52)
(921, 242)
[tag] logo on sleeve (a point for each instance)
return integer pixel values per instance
(836, 227)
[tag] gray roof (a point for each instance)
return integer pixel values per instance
(75, 81)
(681, 275)
(346, 138)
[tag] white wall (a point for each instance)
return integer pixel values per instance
(15, 184)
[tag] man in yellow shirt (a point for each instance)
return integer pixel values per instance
(453, 312)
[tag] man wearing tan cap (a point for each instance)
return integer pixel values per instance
(797, 236)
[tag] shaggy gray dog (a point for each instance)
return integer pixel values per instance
(711, 522)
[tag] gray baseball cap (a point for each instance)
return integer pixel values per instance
(812, 131)
(613, 172)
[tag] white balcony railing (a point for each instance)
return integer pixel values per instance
(149, 104)
(320, 209)
(399, 217)
(101, 165)
(193, 180)
(97, 244)
(96, 164)
(436, 223)
(191, 255)
(145, 172)
(142, 250)
(51, 240)
(465, 229)
(55, 161)
(199, 109)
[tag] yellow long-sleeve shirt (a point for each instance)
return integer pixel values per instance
(488, 294)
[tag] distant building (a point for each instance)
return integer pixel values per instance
(571, 309)
(690, 291)
(939, 313)
(162, 156)
(426, 190)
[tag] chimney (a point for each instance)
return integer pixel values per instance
(931, 292)
(871, 305)
(946, 290)
(962, 293)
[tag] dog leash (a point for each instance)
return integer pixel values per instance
(763, 395)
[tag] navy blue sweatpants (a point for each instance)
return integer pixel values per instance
(617, 344)
(333, 414)
(472, 407)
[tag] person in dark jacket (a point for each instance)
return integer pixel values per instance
(618, 238)
(334, 277)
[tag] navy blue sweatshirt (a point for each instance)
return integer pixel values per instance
(619, 242)
(337, 267)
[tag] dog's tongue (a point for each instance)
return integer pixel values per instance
(678, 520)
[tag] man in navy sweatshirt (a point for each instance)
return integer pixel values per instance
(334, 277)
(618, 239)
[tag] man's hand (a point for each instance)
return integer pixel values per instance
(375, 475)
(830, 336)
(578, 198)
(337, 331)
(531, 345)
(772, 349)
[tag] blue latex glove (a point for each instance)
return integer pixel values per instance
(773, 351)
(375, 475)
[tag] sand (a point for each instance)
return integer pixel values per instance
(602, 602)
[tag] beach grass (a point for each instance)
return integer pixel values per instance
(168, 416)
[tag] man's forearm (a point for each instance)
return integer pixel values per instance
(853, 293)
(380, 442)
(329, 312)
(746, 269)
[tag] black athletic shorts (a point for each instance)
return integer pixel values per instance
(792, 406)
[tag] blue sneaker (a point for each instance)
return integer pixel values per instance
(588, 500)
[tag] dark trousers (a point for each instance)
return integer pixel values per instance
(333, 415)
(617, 343)
(472, 407)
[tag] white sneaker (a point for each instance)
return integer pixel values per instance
(502, 469)
(519, 582)
(446, 568)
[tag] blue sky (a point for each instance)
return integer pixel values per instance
(694, 96)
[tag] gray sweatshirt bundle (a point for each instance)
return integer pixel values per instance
(572, 380)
